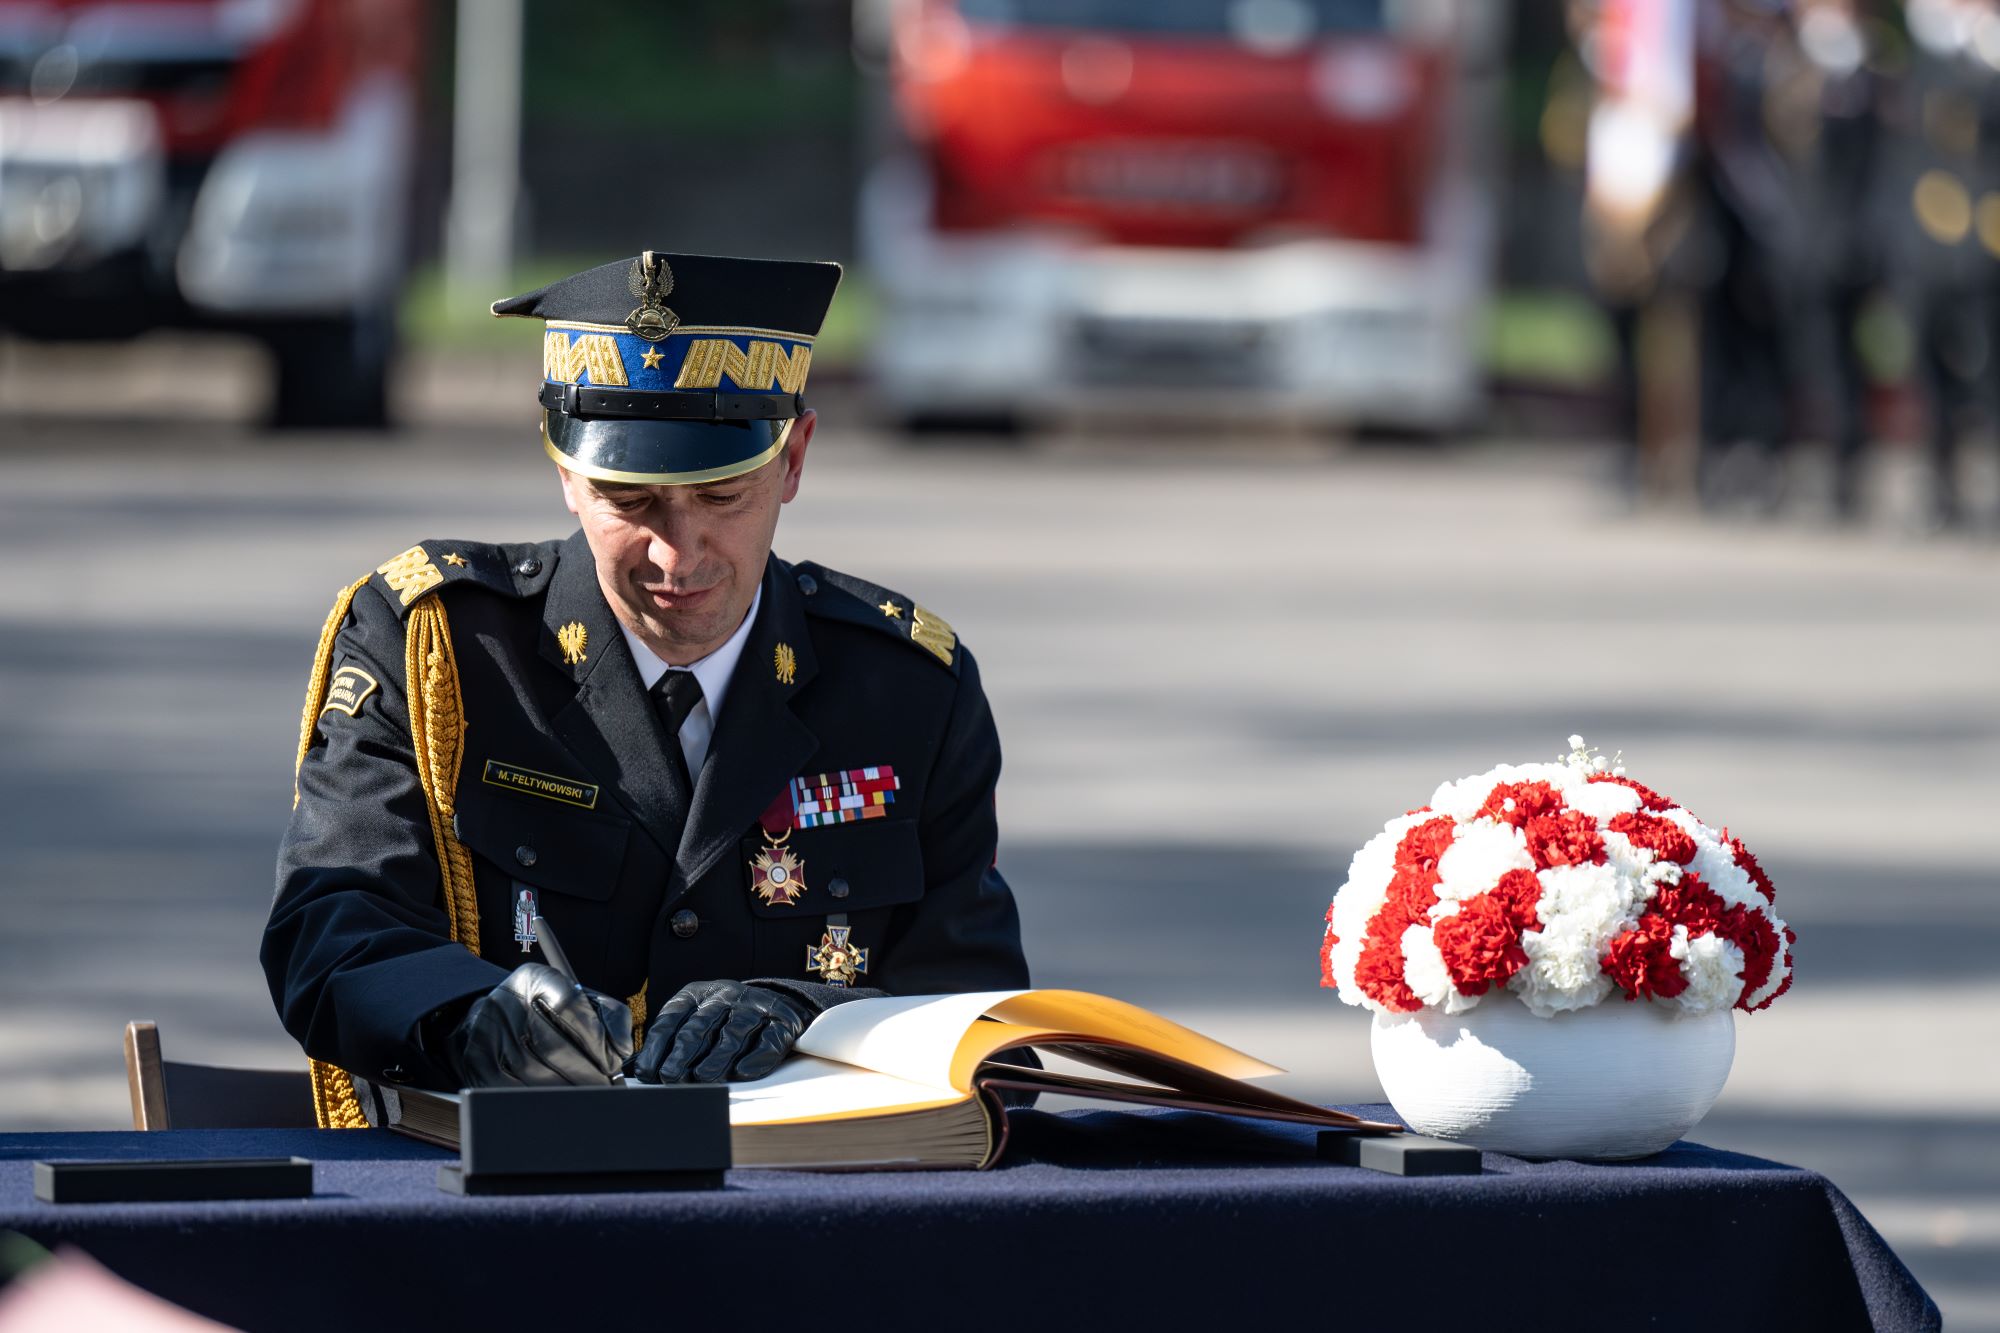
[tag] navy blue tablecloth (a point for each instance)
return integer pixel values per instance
(1115, 1217)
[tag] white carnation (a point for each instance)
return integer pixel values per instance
(1478, 856)
(1713, 967)
(1602, 801)
(1778, 969)
(1366, 889)
(1582, 909)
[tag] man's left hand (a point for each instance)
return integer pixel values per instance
(719, 1031)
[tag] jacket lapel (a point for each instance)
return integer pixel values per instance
(610, 725)
(759, 744)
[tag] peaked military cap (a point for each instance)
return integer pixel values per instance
(672, 369)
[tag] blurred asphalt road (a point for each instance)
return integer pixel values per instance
(1219, 665)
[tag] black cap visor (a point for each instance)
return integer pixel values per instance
(661, 453)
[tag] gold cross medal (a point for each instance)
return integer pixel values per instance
(836, 959)
(777, 877)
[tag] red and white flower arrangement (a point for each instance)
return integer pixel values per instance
(1565, 883)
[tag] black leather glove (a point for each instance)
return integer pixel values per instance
(540, 1029)
(717, 1031)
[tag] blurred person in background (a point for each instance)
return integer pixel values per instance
(1751, 228)
(1637, 57)
(1832, 122)
(1948, 253)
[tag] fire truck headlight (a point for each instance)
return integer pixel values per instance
(1362, 82)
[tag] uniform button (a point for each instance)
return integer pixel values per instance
(685, 923)
(808, 584)
(837, 887)
(528, 567)
(525, 855)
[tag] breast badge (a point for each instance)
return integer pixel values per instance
(525, 915)
(777, 877)
(837, 960)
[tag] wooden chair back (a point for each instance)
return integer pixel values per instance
(170, 1095)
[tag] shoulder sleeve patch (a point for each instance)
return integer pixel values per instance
(838, 596)
(512, 571)
(347, 690)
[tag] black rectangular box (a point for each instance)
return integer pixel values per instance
(1400, 1154)
(523, 1140)
(174, 1182)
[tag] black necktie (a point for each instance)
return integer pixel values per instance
(676, 695)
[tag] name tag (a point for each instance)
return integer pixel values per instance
(545, 785)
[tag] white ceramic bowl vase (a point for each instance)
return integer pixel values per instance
(1616, 1080)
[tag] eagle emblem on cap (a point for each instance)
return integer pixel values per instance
(650, 280)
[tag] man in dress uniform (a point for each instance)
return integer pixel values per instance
(736, 790)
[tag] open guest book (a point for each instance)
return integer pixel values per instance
(910, 1081)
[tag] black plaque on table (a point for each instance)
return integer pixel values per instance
(590, 1140)
(174, 1181)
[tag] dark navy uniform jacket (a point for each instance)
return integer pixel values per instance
(358, 948)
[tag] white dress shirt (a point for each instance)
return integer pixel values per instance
(712, 671)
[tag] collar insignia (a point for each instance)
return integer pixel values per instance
(571, 638)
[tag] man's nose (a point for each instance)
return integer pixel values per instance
(675, 545)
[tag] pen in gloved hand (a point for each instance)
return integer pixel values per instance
(553, 951)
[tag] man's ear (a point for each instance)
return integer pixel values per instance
(795, 454)
(570, 485)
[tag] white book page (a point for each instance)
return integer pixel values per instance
(912, 1037)
(807, 1088)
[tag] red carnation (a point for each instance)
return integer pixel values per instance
(1753, 933)
(1327, 940)
(1648, 798)
(1529, 799)
(1690, 903)
(1641, 960)
(1481, 943)
(1411, 895)
(1750, 867)
(1379, 970)
(1564, 838)
(1664, 838)
(1521, 892)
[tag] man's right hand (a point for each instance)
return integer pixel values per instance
(540, 1029)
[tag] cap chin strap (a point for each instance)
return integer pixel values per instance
(583, 400)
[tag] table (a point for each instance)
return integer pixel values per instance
(1171, 1219)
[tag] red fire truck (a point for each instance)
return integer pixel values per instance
(231, 164)
(1277, 207)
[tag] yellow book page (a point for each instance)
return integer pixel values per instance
(1036, 1016)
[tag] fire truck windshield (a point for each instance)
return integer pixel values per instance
(1256, 22)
